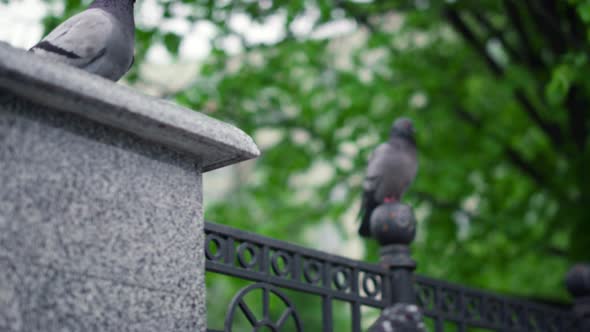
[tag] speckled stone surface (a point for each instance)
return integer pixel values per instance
(100, 230)
(214, 143)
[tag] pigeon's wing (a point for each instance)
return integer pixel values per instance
(400, 165)
(370, 185)
(407, 167)
(79, 41)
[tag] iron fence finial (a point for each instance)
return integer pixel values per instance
(577, 282)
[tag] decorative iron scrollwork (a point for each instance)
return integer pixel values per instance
(265, 322)
(247, 255)
(214, 248)
(281, 269)
(371, 285)
(312, 271)
(341, 278)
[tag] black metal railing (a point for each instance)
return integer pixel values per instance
(275, 266)
(470, 308)
(249, 256)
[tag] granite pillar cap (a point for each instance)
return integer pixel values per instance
(212, 143)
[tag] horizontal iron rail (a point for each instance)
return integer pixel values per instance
(239, 234)
(328, 265)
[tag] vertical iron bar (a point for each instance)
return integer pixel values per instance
(265, 260)
(355, 305)
(461, 326)
(356, 316)
(439, 323)
(328, 324)
(462, 312)
(296, 269)
(230, 251)
(504, 315)
(327, 320)
(265, 303)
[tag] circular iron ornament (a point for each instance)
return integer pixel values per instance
(264, 322)
(371, 285)
(276, 267)
(341, 278)
(252, 250)
(210, 254)
(312, 271)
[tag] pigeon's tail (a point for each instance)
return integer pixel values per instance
(367, 206)
(365, 227)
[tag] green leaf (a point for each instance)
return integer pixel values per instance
(561, 81)
(172, 42)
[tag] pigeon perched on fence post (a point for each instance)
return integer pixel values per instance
(99, 40)
(391, 169)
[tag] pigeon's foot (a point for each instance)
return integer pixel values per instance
(389, 200)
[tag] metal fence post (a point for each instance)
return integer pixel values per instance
(577, 281)
(393, 225)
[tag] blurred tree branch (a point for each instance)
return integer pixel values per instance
(551, 130)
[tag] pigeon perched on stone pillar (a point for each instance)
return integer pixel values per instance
(392, 168)
(99, 40)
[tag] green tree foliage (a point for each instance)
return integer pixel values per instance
(499, 92)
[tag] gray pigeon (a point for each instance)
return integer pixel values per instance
(99, 40)
(392, 168)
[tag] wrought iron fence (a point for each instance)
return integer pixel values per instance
(274, 266)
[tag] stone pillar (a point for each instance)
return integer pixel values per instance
(578, 284)
(393, 225)
(101, 222)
